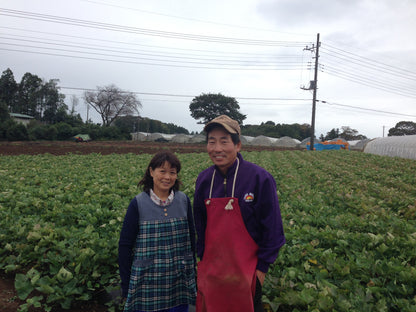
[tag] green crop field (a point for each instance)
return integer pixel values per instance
(349, 218)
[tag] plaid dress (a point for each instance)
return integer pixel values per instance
(163, 269)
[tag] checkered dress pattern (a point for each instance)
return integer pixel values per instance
(162, 274)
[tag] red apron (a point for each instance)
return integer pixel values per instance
(227, 274)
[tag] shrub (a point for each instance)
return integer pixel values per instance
(16, 132)
(51, 132)
(64, 131)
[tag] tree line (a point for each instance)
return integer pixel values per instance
(207, 106)
(119, 111)
(53, 120)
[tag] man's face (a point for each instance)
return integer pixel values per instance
(221, 148)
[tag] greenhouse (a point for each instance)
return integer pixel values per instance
(394, 146)
(286, 142)
(180, 138)
(261, 140)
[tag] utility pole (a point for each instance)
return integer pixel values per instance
(88, 110)
(314, 86)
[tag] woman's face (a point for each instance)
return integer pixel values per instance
(164, 178)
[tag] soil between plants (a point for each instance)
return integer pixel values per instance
(107, 147)
(9, 301)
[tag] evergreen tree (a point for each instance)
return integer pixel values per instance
(208, 106)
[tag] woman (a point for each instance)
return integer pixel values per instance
(157, 242)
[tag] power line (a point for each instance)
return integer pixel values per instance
(143, 31)
(369, 76)
(368, 72)
(158, 58)
(375, 63)
(343, 106)
(363, 69)
(190, 18)
(136, 53)
(135, 44)
(190, 95)
(148, 63)
(366, 109)
(374, 83)
(340, 63)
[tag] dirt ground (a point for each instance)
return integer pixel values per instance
(8, 296)
(9, 302)
(100, 147)
(105, 147)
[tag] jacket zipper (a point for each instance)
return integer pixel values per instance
(225, 187)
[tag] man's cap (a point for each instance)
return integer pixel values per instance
(229, 124)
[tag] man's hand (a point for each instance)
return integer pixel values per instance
(261, 276)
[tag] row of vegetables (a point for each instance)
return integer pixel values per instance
(349, 218)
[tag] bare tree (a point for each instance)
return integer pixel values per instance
(112, 102)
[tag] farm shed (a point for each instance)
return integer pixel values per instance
(394, 146)
(21, 118)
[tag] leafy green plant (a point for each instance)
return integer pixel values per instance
(349, 221)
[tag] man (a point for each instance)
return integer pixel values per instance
(238, 222)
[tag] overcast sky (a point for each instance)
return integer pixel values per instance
(259, 51)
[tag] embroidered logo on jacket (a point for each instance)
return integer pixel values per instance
(249, 197)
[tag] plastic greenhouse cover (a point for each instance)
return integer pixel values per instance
(394, 146)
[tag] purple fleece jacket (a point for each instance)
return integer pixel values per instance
(256, 192)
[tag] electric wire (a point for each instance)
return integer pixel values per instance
(188, 95)
(373, 76)
(143, 31)
(366, 109)
(192, 19)
(179, 65)
(377, 84)
(367, 60)
(136, 44)
(368, 72)
(136, 53)
(337, 62)
(228, 55)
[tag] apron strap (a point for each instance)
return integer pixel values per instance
(212, 183)
(235, 177)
